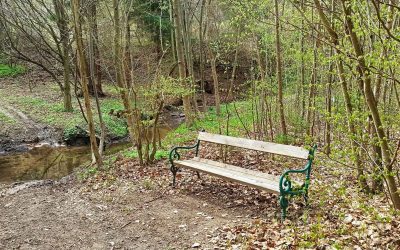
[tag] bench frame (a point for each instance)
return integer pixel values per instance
(286, 187)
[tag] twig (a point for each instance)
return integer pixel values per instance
(344, 164)
(369, 156)
(236, 205)
(395, 155)
(126, 224)
(378, 15)
(241, 121)
(157, 198)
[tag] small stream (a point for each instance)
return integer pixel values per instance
(49, 162)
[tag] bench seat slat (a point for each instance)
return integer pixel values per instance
(274, 148)
(245, 176)
(237, 169)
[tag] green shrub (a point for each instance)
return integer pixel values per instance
(284, 139)
(72, 132)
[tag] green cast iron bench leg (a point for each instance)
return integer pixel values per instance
(284, 203)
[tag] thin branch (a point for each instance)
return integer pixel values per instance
(378, 15)
(395, 155)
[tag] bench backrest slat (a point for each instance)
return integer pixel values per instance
(269, 147)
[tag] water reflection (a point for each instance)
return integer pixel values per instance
(45, 162)
(48, 162)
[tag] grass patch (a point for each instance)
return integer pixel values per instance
(7, 120)
(11, 71)
(45, 111)
(210, 122)
(114, 125)
(33, 101)
(110, 89)
(228, 122)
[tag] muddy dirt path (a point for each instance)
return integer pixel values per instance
(123, 216)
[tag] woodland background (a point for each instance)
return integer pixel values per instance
(288, 71)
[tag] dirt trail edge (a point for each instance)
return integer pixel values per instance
(19, 116)
(122, 216)
(24, 131)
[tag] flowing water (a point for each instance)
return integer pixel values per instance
(47, 162)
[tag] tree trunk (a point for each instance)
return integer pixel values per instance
(133, 119)
(302, 67)
(311, 95)
(92, 67)
(377, 184)
(127, 54)
(213, 60)
(173, 40)
(187, 44)
(347, 98)
(202, 29)
(95, 83)
(328, 129)
(235, 63)
(187, 34)
(62, 24)
(178, 27)
(84, 79)
(279, 70)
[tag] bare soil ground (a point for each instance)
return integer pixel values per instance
(123, 216)
(127, 207)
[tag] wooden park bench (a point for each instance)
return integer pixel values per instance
(281, 185)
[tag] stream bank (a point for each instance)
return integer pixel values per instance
(53, 158)
(18, 140)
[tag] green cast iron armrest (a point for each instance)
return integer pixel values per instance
(285, 184)
(174, 154)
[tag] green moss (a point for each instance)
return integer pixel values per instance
(114, 125)
(72, 132)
